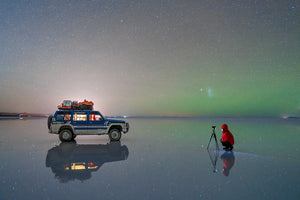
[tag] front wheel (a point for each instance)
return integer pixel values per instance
(65, 135)
(114, 134)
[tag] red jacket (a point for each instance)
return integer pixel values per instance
(227, 135)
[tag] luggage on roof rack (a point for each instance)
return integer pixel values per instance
(65, 105)
(74, 105)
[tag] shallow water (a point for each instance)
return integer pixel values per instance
(156, 159)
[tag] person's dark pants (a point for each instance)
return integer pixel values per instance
(227, 145)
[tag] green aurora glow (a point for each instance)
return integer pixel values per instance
(162, 58)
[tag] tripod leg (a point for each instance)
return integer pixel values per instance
(216, 141)
(209, 141)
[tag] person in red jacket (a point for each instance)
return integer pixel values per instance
(227, 139)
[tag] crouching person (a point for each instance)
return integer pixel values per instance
(227, 139)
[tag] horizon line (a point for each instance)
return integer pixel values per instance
(167, 116)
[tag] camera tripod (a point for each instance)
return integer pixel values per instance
(214, 157)
(213, 135)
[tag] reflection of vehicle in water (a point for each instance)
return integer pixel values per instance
(228, 162)
(71, 161)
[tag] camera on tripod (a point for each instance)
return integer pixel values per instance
(213, 135)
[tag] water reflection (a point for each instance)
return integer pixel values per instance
(228, 161)
(214, 155)
(227, 157)
(71, 161)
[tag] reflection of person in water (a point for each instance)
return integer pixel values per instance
(228, 162)
(227, 139)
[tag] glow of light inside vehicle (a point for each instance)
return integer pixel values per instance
(92, 166)
(79, 117)
(78, 166)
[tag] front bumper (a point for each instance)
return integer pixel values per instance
(126, 128)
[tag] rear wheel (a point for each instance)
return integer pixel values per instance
(65, 135)
(49, 121)
(114, 134)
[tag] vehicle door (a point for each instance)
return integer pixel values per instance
(80, 122)
(96, 123)
(61, 118)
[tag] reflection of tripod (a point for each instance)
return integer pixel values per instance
(215, 137)
(214, 157)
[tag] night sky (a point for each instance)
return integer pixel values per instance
(155, 57)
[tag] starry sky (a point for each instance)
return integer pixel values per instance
(152, 58)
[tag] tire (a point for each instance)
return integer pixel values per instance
(65, 135)
(49, 121)
(114, 134)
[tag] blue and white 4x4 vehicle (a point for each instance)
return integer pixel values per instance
(70, 123)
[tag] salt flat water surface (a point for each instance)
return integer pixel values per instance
(157, 159)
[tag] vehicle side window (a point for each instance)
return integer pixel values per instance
(63, 117)
(80, 116)
(95, 117)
